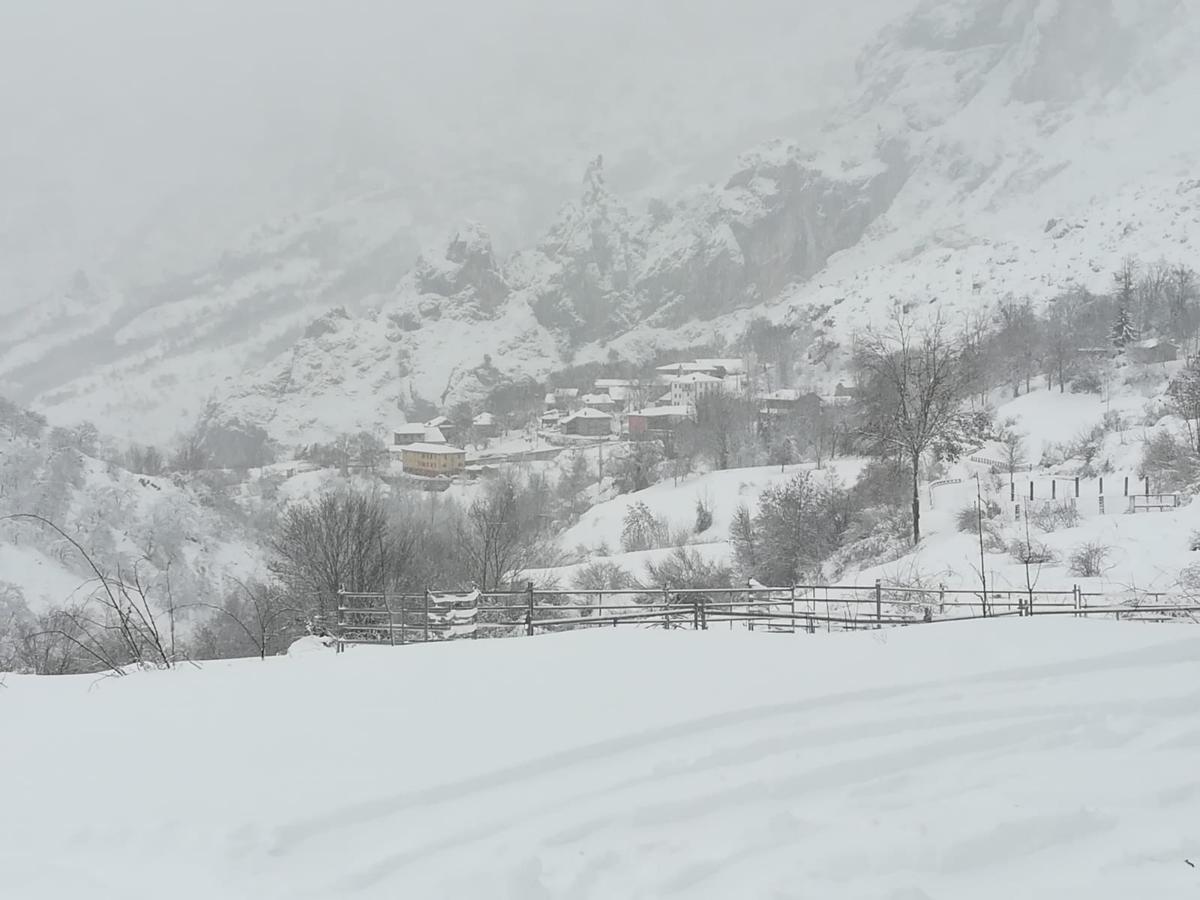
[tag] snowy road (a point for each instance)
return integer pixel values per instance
(1006, 759)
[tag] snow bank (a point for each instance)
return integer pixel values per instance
(1019, 758)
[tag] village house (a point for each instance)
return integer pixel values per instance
(655, 421)
(730, 372)
(433, 460)
(588, 422)
(450, 431)
(602, 402)
(484, 426)
(1153, 350)
(785, 404)
(688, 390)
(416, 433)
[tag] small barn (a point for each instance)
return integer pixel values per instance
(588, 422)
(1152, 350)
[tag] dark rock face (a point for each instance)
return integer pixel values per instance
(468, 271)
(775, 222)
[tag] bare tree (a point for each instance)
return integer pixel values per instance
(116, 626)
(725, 428)
(342, 541)
(1061, 340)
(1017, 337)
(1183, 394)
(505, 531)
(262, 614)
(912, 382)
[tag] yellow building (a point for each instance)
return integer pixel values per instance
(433, 460)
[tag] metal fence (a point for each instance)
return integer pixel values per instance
(378, 618)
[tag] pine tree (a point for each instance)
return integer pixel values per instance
(1122, 330)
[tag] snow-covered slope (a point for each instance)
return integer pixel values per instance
(993, 147)
(1023, 758)
(180, 541)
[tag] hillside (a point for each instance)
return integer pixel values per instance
(182, 540)
(976, 761)
(987, 151)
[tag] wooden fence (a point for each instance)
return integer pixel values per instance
(395, 619)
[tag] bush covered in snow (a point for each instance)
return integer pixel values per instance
(1089, 560)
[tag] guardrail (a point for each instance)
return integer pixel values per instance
(404, 618)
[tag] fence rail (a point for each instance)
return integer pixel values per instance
(382, 618)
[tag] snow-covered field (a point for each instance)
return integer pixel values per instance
(1026, 758)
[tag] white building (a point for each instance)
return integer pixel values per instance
(688, 390)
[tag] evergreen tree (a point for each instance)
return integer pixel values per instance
(1122, 330)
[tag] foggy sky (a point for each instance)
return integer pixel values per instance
(142, 136)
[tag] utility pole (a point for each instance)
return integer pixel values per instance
(979, 526)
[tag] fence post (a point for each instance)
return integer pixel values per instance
(666, 608)
(387, 604)
(1126, 485)
(403, 624)
(878, 603)
(427, 615)
(529, 612)
(1076, 487)
(1053, 488)
(1031, 489)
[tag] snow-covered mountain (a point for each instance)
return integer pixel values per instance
(992, 147)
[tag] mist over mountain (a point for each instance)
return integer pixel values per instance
(144, 140)
(985, 147)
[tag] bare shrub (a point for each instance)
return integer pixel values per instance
(704, 516)
(966, 520)
(1055, 516)
(1088, 381)
(1089, 560)
(1031, 552)
(603, 576)
(685, 567)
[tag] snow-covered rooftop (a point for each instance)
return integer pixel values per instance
(588, 413)
(651, 412)
(433, 448)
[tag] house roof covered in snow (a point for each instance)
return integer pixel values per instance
(418, 432)
(1149, 344)
(484, 419)
(651, 412)
(438, 422)
(696, 378)
(587, 413)
(440, 449)
(731, 366)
